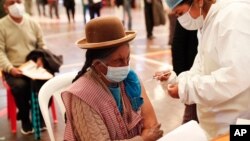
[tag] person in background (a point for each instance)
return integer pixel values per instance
(28, 5)
(2, 12)
(53, 4)
(149, 20)
(122, 7)
(85, 7)
(95, 8)
(19, 35)
(42, 3)
(184, 50)
(219, 80)
(114, 101)
(70, 8)
(127, 9)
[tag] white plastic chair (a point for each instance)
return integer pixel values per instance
(54, 87)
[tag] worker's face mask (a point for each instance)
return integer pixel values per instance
(16, 10)
(189, 23)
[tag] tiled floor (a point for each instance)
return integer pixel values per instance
(148, 56)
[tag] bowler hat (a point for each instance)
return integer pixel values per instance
(103, 32)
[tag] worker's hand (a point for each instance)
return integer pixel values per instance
(16, 72)
(152, 134)
(173, 90)
(162, 76)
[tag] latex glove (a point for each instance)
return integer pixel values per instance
(166, 77)
(162, 75)
(168, 82)
(173, 90)
(152, 134)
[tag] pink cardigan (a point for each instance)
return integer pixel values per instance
(104, 104)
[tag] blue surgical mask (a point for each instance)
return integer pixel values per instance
(117, 74)
(189, 23)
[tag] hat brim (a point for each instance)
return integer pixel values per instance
(82, 43)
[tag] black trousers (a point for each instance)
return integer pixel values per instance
(148, 11)
(94, 9)
(21, 90)
(72, 11)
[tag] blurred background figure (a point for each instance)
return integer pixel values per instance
(2, 12)
(28, 5)
(127, 9)
(123, 8)
(118, 7)
(85, 7)
(95, 8)
(53, 4)
(42, 3)
(159, 14)
(70, 9)
(149, 21)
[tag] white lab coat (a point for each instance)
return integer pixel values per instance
(219, 80)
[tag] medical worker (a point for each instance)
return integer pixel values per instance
(219, 80)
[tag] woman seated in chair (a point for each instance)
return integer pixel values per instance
(106, 100)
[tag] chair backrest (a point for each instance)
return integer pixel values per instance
(53, 87)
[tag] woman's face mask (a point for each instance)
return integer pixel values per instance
(16, 10)
(189, 23)
(116, 74)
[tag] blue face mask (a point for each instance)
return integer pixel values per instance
(117, 74)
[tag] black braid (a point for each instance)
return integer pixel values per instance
(92, 54)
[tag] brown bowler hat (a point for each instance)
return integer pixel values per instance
(103, 32)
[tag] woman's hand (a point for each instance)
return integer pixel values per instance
(152, 134)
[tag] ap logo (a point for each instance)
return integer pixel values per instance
(239, 132)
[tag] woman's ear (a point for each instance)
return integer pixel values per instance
(99, 67)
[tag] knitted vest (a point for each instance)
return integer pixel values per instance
(104, 104)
